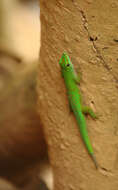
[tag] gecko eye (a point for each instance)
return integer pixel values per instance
(68, 65)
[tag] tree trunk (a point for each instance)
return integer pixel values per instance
(87, 31)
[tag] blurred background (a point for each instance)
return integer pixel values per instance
(23, 148)
(20, 30)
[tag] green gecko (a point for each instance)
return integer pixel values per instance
(74, 97)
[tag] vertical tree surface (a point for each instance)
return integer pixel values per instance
(87, 31)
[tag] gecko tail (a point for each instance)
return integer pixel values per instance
(94, 160)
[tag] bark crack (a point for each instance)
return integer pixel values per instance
(106, 172)
(98, 54)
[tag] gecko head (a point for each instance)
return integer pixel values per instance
(65, 62)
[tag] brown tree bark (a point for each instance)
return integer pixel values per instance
(87, 31)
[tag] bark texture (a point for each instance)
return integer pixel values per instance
(87, 31)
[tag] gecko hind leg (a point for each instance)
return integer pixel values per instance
(89, 111)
